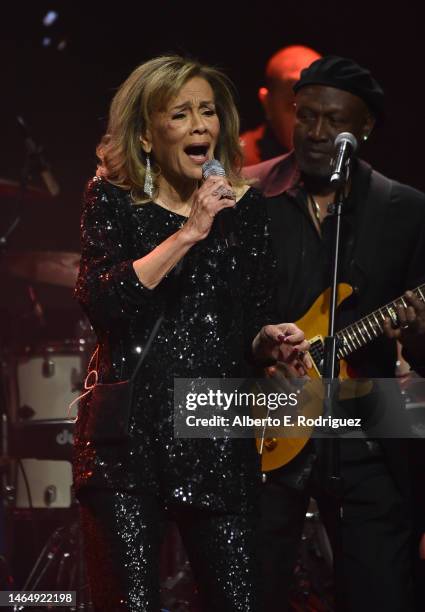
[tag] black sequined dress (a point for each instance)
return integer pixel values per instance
(222, 298)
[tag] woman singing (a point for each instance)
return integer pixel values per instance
(150, 245)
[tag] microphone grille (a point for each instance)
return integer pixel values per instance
(212, 167)
(347, 136)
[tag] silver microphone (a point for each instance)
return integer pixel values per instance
(225, 218)
(345, 147)
(212, 167)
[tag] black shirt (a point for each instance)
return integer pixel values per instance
(382, 255)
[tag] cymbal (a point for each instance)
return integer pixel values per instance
(11, 190)
(52, 267)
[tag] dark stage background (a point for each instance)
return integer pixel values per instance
(64, 94)
(63, 90)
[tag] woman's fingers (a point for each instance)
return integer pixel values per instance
(216, 193)
(224, 191)
(290, 341)
(212, 196)
(291, 334)
(296, 356)
(287, 333)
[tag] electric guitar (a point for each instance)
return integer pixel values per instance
(278, 451)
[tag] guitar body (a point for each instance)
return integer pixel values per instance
(316, 321)
(280, 450)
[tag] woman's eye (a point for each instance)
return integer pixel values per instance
(209, 112)
(179, 116)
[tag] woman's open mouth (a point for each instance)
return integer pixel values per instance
(197, 153)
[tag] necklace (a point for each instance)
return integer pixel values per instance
(315, 208)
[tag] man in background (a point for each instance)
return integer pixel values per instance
(382, 255)
(274, 137)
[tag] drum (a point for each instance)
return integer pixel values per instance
(43, 484)
(43, 382)
(46, 380)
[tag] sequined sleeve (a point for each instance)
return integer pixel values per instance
(107, 286)
(260, 270)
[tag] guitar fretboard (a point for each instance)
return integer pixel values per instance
(370, 327)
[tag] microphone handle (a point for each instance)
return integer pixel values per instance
(224, 220)
(338, 167)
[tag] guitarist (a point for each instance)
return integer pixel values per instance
(382, 256)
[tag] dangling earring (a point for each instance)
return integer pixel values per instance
(148, 186)
(365, 137)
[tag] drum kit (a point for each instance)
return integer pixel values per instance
(45, 344)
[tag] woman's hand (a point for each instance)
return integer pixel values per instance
(214, 194)
(284, 342)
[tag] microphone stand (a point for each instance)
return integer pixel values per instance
(332, 451)
(30, 165)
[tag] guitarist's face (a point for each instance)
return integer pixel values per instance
(321, 114)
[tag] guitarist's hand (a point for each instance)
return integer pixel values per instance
(411, 330)
(284, 342)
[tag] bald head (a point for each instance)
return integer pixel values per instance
(282, 72)
(287, 63)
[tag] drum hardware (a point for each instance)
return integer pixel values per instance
(9, 494)
(43, 475)
(37, 308)
(50, 495)
(48, 367)
(25, 413)
(34, 266)
(40, 380)
(45, 378)
(43, 381)
(312, 591)
(35, 161)
(60, 566)
(33, 164)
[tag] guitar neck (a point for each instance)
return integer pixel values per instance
(370, 327)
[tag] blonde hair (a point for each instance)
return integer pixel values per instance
(149, 88)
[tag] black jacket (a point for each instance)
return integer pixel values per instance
(383, 254)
